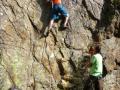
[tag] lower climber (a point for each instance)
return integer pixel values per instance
(96, 71)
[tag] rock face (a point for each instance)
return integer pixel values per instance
(29, 61)
(94, 8)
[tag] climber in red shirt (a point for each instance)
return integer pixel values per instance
(57, 10)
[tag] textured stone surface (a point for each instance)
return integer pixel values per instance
(29, 61)
(95, 7)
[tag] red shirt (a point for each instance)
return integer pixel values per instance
(56, 1)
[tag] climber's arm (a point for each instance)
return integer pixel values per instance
(87, 64)
(49, 3)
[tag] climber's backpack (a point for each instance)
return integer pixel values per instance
(105, 71)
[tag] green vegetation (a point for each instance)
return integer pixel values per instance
(116, 3)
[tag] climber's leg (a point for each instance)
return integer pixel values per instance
(66, 21)
(51, 24)
(63, 11)
(53, 16)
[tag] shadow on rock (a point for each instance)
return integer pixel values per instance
(45, 14)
